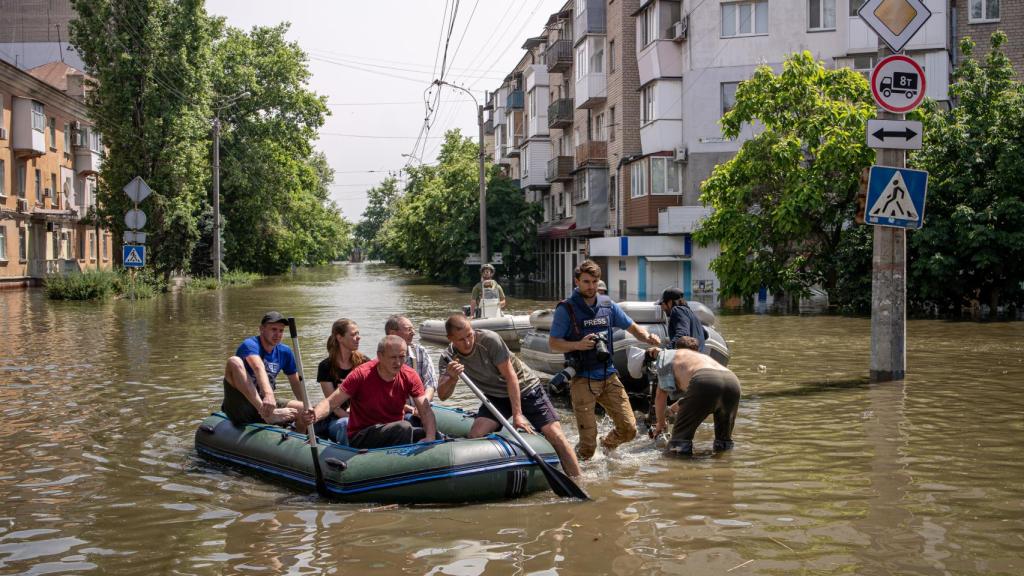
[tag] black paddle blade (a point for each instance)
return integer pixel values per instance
(561, 484)
(321, 485)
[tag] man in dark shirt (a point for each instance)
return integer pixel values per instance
(682, 320)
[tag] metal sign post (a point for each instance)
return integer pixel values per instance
(133, 255)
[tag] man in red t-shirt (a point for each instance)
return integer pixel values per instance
(378, 390)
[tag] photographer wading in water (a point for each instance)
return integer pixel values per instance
(582, 330)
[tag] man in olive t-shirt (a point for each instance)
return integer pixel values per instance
(510, 385)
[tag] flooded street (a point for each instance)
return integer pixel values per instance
(830, 474)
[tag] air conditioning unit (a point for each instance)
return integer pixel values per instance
(682, 154)
(681, 29)
(3, 133)
(22, 205)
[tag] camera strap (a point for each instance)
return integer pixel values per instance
(572, 316)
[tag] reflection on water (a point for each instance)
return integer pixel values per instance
(831, 474)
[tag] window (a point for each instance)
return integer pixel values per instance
(531, 104)
(39, 186)
(984, 10)
(581, 5)
(599, 133)
(65, 245)
(864, 62)
(38, 118)
(92, 245)
(3, 179)
(581, 61)
(611, 124)
(81, 246)
(613, 192)
(3, 242)
(648, 25)
(622, 265)
(53, 134)
(22, 244)
(67, 139)
(647, 104)
(103, 243)
(728, 96)
(744, 18)
(611, 55)
(580, 191)
(855, 6)
(821, 14)
(55, 236)
(95, 142)
(597, 59)
(638, 180)
(664, 176)
(21, 181)
(53, 190)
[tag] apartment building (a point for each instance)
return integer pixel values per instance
(49, 159)
(35, 32)
(635, 93)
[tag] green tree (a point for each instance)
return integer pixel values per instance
(436, 222)
(972, 244)
(380, 206)
(150, 60)
(784, 204)
(275, 194)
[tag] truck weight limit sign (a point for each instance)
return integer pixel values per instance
(898, 84)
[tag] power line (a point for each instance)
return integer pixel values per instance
(376, 136)
(420, 102)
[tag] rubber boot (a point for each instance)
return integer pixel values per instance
(681, 448)
(722, 445)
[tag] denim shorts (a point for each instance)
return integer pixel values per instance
(536, 405)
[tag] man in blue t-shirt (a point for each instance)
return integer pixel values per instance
(250, 377)
(579, 323)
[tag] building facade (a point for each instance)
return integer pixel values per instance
(978, 19)
(49, 159)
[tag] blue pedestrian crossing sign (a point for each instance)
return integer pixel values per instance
(133, 256)
(896, 197)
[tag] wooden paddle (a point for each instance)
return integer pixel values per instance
(321, 486)
(560, 483)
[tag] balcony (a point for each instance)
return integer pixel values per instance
(28, 123)
(560, 169)
(512, 150)
(681, 219)
(87, 161)
(558, 56)
(489, 126)
(515, 100)
(560, 113)
(592, 153)
(589, 20)
(591, 90)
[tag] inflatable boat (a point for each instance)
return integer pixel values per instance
(457, 470)
(511, 329)
(538, 356)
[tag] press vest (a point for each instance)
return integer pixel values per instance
(588, 320)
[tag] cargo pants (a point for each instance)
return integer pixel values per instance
(611, 395)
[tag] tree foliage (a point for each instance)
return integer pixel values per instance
(436, 223)
(163, 69)
(784, 204)
(972, 244)
(150, 60)
(381, 200)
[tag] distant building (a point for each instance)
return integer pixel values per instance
(49, 159)
(35, 32)
(978, 19)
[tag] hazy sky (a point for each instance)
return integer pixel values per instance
(373, 60)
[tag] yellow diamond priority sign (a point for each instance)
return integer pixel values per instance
(895, 21)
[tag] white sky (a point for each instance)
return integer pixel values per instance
(373, 60)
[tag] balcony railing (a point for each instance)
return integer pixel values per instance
(560, 113)
(592, 152)
(560, 169)
(489, 126)
(512, 150)
(515, 100)
(558, 56)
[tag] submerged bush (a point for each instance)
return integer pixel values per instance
(232, 278)
(102, 284)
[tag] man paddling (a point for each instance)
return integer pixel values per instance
(510, 385)
(250, 377)
(378, 390)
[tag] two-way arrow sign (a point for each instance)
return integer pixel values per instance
(897, 134)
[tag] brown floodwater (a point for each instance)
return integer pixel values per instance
(830, 475)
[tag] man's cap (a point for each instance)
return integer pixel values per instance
(487, 267)
(273, 317)
(670, 295)
(635, 361)
(602, 286)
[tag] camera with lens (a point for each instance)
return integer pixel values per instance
(559, 382)
(601, 347)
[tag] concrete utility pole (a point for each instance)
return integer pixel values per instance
(889, 283)
(482, 176)
(216, 197)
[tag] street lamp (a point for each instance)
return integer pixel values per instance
(483, 185)
(229, 101)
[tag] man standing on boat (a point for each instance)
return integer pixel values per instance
(378, 390)
(418, 359)
(704, 387)
(582, 329)
(682, 320)
(486, 289)
(508, 383)
(250, 377)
